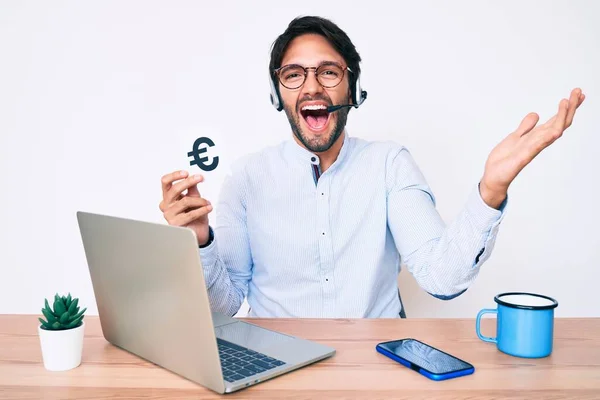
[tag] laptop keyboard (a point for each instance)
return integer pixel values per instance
(240, 362)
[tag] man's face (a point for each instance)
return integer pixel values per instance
(316, 129)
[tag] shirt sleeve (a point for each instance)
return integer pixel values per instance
(227, 261)
(444, 258)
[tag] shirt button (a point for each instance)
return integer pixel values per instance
(323, 233)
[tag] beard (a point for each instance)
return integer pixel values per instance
(318, 144)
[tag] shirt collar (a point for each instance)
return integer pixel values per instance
(302, 155)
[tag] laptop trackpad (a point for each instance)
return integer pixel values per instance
(251, 336)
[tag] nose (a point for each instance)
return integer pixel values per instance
(311, 84)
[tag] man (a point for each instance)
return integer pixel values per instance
(318, 226)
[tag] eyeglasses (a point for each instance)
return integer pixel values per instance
(328, 74)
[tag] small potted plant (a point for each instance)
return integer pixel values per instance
(61, 333)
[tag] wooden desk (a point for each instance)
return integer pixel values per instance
(356, 371)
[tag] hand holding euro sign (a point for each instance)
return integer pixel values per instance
(189, 210)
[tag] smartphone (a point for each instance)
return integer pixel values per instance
(425, 359)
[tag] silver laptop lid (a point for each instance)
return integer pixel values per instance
(151, 294)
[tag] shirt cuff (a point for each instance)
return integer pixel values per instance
(208, 254)
(482, 215)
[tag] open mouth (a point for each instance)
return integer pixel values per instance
(315, 116)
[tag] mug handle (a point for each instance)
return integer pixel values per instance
(478, 326)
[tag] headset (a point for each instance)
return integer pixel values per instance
(358, 95)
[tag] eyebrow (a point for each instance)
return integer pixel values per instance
(325, 62)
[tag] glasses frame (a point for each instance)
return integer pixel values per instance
(306, 69)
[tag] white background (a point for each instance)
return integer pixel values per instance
(99, 99)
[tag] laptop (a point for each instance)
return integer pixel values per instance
(153, 302)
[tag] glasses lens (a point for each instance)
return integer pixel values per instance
(330, 75)
(291, 76)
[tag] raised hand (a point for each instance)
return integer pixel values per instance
(189, 210)
(519, 148)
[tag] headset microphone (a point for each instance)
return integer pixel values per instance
(363, 96)
(331, 109)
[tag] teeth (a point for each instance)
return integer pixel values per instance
(314, 107)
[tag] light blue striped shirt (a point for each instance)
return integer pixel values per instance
(298, 246)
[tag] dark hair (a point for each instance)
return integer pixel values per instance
(321, 26)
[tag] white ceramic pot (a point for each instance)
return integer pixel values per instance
(61, 350)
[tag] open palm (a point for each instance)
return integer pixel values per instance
(519, 148)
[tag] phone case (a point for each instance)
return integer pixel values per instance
(423, 371)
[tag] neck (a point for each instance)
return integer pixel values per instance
(328, 157)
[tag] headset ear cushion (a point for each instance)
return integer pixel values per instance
(357, 92)
(275, 97)
(279, 105)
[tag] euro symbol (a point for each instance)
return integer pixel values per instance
(201, 161)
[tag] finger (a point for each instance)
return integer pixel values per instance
(561, 116)
(185, 218)
(527, 124)
(573, 104)
(540, 139)
(550, 121)
(184, 205)
(193, 191)
(177, 189)
(168, 179)
(581, 99)
(579, 102)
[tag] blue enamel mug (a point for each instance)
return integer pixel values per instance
(524, 325)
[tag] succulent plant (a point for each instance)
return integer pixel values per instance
(65, 315)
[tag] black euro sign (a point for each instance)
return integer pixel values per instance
(201, 161)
